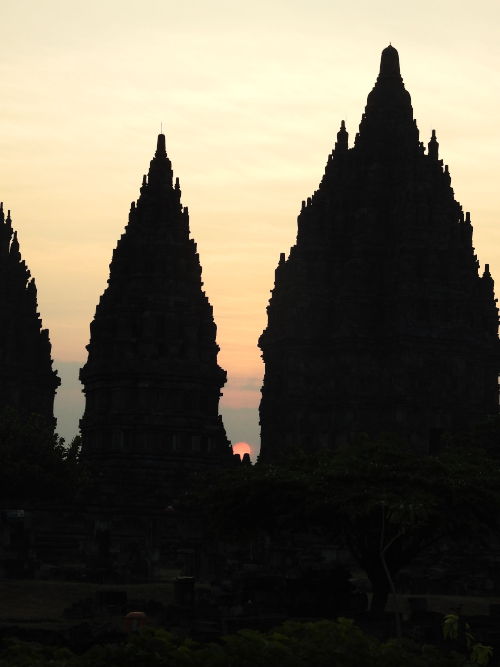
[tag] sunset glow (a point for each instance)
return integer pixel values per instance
(242, 448)
(251, 96)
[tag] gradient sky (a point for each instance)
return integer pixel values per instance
(251, 95)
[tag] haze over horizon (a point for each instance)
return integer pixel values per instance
(251, 95)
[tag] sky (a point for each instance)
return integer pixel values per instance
(251, 96)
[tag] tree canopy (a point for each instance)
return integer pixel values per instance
(35, 464)
(322, 644)
(380, 496)
(484, 434)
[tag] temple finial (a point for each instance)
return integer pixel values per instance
(14, 252)
(389, 63)
(433, 147)
(342, 143)
(161, 150)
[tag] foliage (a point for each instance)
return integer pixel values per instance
(450, 629)
(322, 644)
(485, 435)
(381, 496)
(36, 465)
(478, 653)
(481, 654)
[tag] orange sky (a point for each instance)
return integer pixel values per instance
(251, 95)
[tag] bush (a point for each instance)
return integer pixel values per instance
(322, 644)
(36, 464)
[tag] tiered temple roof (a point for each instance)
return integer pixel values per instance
(27, 380)
(379, 319)
(152, 383)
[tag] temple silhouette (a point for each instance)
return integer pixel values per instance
(28, 381)
(379, 319)
(152, 383)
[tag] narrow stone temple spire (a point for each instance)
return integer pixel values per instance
(387, 126)
(433, 147)
(152, 383)
(27, 380)
(161, 149)
(389, 64)
(379, 320)
(342, 143)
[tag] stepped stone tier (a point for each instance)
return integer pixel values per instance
(379, 320)
(151, 382)
(27, 380)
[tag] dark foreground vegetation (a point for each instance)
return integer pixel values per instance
(386, 501)
(322, 644)
(36, 465)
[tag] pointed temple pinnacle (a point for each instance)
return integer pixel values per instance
(342, 143)
(315, 400)
(433, 147)
(161, 150)
(389, 64)
(155, 286)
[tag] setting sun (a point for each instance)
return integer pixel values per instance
(242, 448)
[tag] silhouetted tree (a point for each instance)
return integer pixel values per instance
(485, 434)
(35, 465)
(388, 502)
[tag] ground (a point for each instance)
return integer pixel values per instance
(472, 606)
(40, 604)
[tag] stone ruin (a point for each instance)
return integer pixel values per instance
(28, 381)
(152, 386)
(379, 320)
(152, 383)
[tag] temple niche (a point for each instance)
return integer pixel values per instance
(28, 382)
(379, 319)
(151, 382)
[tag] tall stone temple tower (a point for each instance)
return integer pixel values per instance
(379, 319)
(151, 382)
(27, 380)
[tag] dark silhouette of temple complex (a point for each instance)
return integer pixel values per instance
(27, 381)
(152, 382)
(379, 319)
